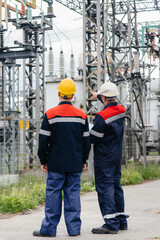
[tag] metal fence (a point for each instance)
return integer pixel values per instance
(18, 145)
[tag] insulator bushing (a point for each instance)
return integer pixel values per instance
(1, 38)
(25, 36)
(36, 34)
(72, 66)
(51, 59)
(61, 63)
(50, 10)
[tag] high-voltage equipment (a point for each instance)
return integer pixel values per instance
(31, 50)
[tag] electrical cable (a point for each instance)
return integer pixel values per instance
(49, 39)
(65, 37)
(58, 39)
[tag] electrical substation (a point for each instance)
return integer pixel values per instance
(117, 47)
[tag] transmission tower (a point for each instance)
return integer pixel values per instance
(142, 6)
(112, 51)
(33, 91)
(94, 50)
(32, 52)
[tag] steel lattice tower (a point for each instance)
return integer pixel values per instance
(94, 49)
(112, 49)
(10, 117)
(33, 91)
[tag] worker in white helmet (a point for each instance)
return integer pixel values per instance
(107, 135)
(64, 145)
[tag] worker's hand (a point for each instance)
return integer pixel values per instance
(84, 167)
(44, 168)
(94, 95)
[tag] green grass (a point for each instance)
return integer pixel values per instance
(87, 186)
(30, 191)
(136, 173)
(21, 197)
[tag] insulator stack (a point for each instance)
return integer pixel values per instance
(1, 38)
(26, 36)
(36, 37)
(72, 66)
(51, 61)
(136, 62)
(61, 64)
(50, 9)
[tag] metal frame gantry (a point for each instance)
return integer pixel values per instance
(94, 50)
(107, 33)
(112, 50)
(32, 52)
(10, 117)
(33, 92)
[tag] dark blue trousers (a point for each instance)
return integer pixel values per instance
(70, 184)
(110, 194)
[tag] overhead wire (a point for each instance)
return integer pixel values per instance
(58, 39)
(65, 37)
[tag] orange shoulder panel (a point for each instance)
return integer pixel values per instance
(112, 111)
(65, 110)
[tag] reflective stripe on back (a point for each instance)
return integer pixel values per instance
(66, 119)
(111, 119)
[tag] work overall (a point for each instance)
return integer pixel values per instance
(107, 134)
(70, 183)
(64, 144)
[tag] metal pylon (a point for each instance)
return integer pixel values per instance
(94, 50)
(10, 116)
(112, 50)
(33, 91)
(123, 51)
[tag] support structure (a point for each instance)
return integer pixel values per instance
(112, 51)
(94, 50)
(33, 91)
(10, 118)
(32, 53)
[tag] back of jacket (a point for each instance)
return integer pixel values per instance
(64, 141)
(107, 133)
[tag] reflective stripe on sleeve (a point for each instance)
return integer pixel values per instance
(66, 119)
(108, 216)
(111, 119)
(44, 132)
(85, 134)
(97, 134)
(120, 213)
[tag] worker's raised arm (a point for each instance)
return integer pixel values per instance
(95, 96)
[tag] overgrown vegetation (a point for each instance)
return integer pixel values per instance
(136, 173)
(23, 196)
(29, 192)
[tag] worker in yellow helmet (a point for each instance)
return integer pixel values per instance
(67, 88)
(64, 145)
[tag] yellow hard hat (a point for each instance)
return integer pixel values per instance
(67, 88)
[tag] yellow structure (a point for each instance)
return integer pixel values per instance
(31, 3)
(21, 124)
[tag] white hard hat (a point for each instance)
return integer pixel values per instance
(108, 89)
